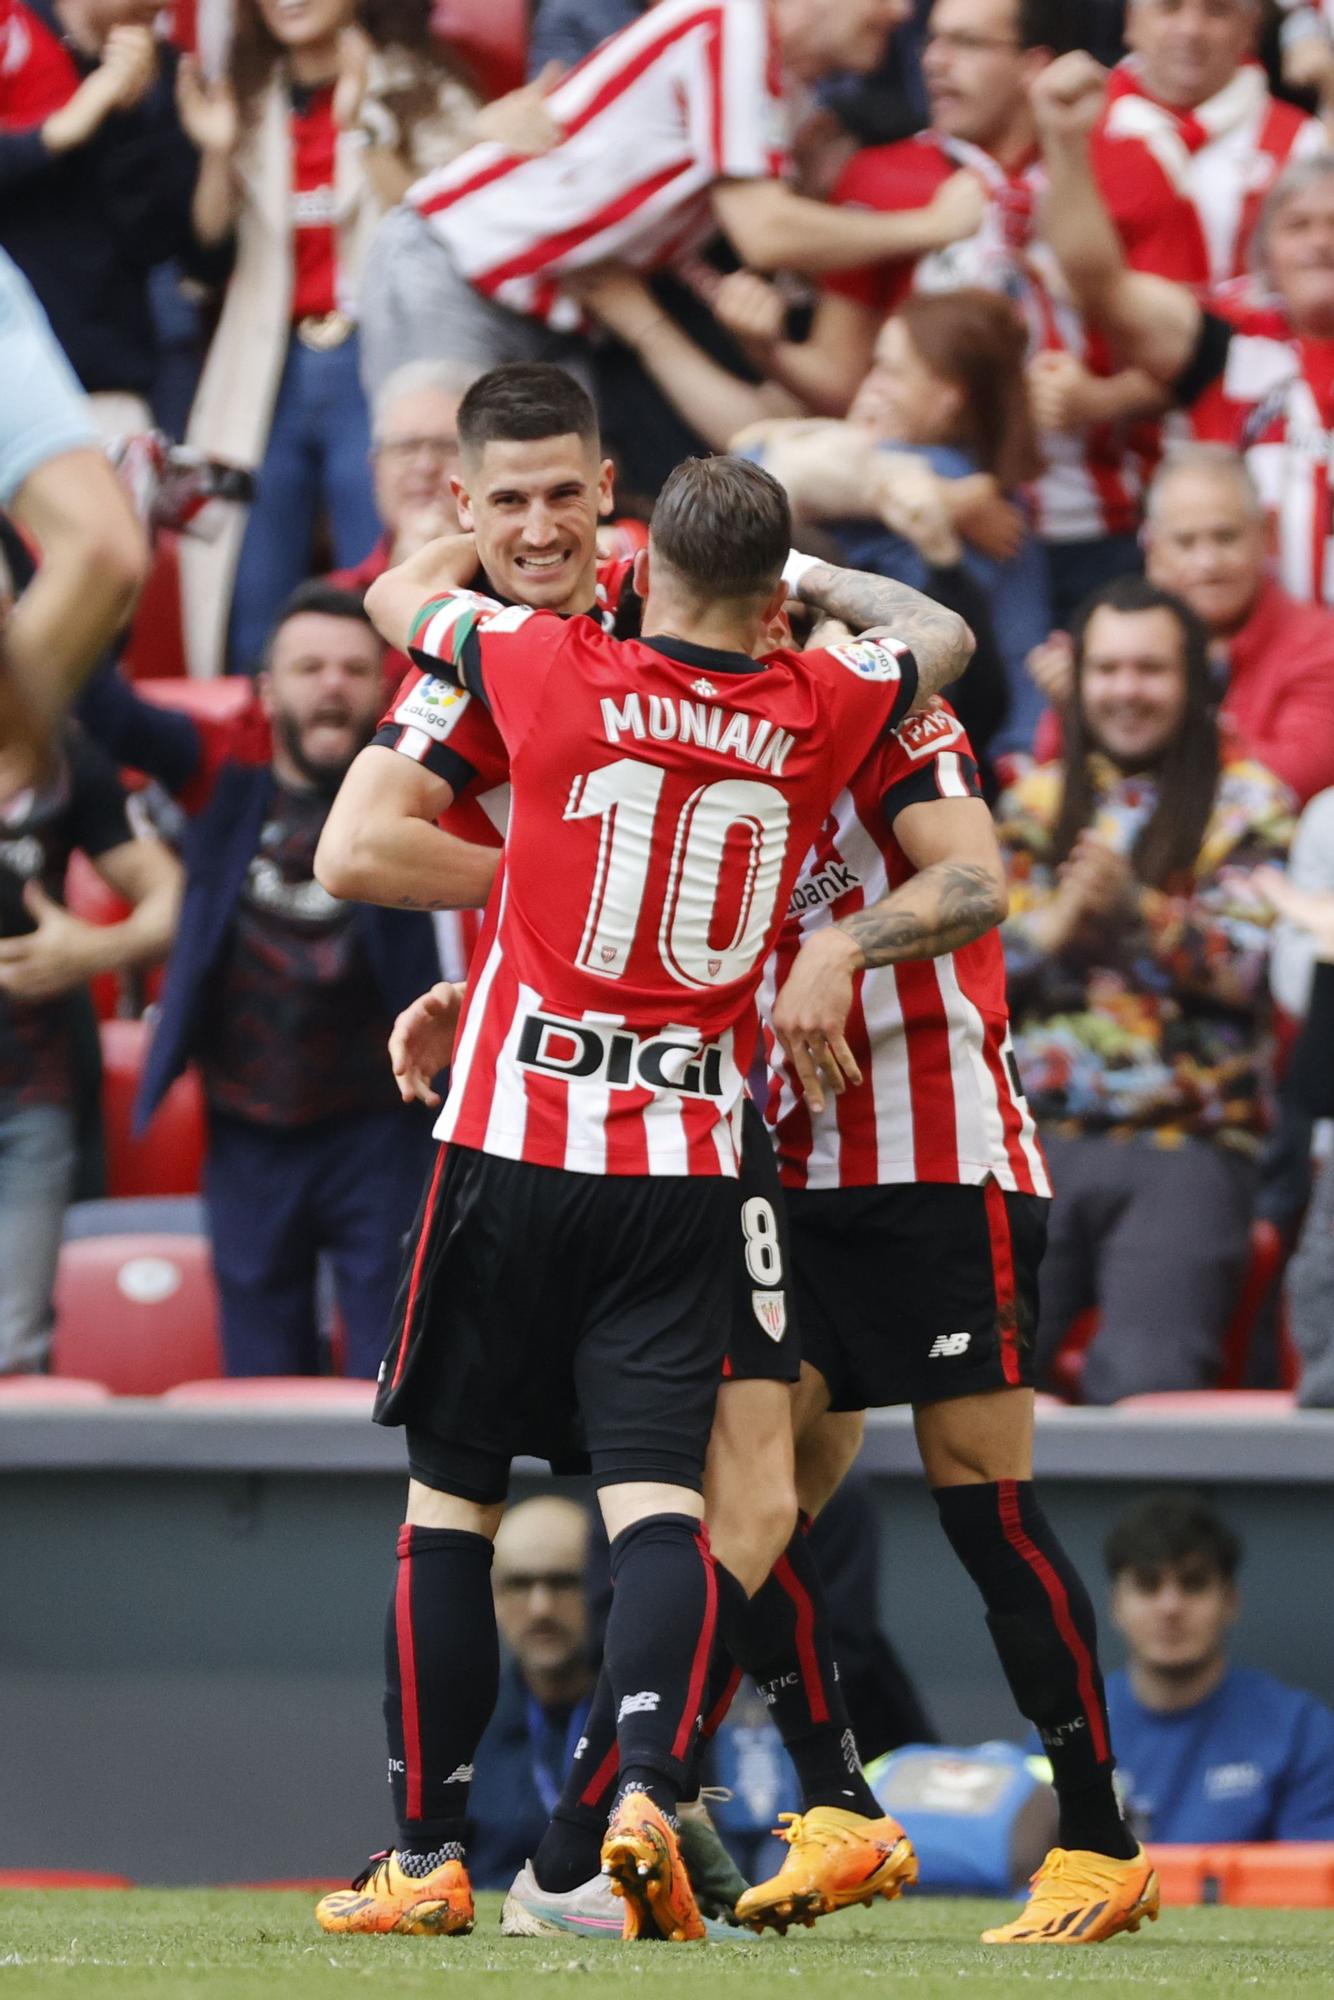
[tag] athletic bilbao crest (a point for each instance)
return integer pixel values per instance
(771, 1312)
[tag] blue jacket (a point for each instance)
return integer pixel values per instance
(513, 1789)
(221, 843)
(1253, 1761)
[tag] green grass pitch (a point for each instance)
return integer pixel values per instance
(244, 1945)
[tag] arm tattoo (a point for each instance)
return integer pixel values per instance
(967, 901)
(939, 640)
(423, 903)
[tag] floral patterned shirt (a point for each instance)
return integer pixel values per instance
(1153, 1024)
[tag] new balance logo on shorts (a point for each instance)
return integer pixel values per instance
(460, 1775)
(637, 1704)
(947, 1346)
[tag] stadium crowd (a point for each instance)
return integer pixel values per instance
(888, 330)
(1025, 307)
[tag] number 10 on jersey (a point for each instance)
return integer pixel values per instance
(735, 828)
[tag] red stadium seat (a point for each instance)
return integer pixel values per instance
(139, 1313)
(221, 700)
(156, 644)
(1244, 1404)
(488, 37)
(62, 1392)
(168, 1158)
(317, 1392)
(1263, 1271)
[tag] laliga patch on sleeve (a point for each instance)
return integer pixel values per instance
(433, 706)
(869, 659)
(924, 734)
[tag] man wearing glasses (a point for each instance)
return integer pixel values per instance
(414, 452)
(545, 1686)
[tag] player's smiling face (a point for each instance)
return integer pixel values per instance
(534, 507)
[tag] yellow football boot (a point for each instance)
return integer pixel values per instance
(383, 1898)
(834, 1859)
(642, 1856)
(1078, 1897)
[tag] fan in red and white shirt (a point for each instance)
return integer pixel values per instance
(1218, 131)
(939, 1098)
(978, 71)
(676, 126)
(1256, 371)
(689, 95)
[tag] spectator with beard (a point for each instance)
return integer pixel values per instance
(285, 996)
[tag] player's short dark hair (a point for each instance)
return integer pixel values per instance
(724, 526)
(525, 400)
(1169, 1529)
(324, 598)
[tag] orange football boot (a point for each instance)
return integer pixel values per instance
(642, 1856)
(834, 1859)
(1078, 1897)
(383, 1898)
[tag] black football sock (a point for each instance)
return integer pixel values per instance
(570, 1851)
(783, 1641)
(720, 1686)
(442, 1674)
(660, 1637)
(1044, 1631)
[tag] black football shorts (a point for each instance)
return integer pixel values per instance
(763, 1344)
(580, 1318)
(919, 1292)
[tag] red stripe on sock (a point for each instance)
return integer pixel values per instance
(1017, 1536)
(602, 1777)
(407, 1674)
(717, 1715)
(703, 1651)
(811, 1679)
(419, 1259)
(1002, 1271)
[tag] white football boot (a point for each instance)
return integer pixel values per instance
(590, 1911)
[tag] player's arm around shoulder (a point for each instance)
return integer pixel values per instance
(381, 843)
(397, 598)
(878, 608)
(957, 895)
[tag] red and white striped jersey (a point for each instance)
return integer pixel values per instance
(314, 140)
(1093, 483)
(940, 1097)
(686, 96)
(445, 729)
(1274, 401)
(1224, 156)
(663, 795)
